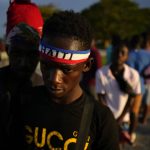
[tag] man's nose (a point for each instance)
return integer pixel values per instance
(120, 54)
(56, 76)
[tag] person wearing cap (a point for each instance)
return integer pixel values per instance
(24, 11)
(22, 47)
(52, 115)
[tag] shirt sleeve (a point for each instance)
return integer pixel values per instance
(99, 84)
(137, 85)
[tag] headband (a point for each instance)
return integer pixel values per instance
(63, 56)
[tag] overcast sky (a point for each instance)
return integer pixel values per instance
(76, 5)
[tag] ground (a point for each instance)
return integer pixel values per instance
(143, 138)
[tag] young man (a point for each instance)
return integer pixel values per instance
(118, 87)
(22, 46)
(50, 117)
(139, 60)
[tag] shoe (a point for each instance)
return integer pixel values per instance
(133, 138)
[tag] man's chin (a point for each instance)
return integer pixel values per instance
(119, 63)
(57, 93)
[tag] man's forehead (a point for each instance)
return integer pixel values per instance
(64, 42)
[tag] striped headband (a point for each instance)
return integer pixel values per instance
(63, 56)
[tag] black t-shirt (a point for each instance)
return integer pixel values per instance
(43, 124)
(10, 87)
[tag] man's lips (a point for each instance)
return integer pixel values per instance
(53, 89)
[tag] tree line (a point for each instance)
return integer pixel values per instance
(124, 18)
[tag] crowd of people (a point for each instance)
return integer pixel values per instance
(75, 102)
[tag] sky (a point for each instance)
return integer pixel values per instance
(76, 5)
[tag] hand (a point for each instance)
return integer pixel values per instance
(119, 120)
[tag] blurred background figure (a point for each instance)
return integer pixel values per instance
(22, 46)
(135, 45)
(146, 98)
(118, 87)
(108, 48)
(27, 12)
(88, 78)
(3, 55)
(145, 73)
(140, 60)
(2, 47)
(109, 44)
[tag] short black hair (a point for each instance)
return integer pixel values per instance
(118, 46)
(69, 24)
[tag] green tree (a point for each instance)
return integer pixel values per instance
(146, 13)
(47, 10)
(120, 17)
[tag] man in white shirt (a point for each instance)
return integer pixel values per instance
(118, 87)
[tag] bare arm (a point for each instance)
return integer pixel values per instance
(125, 110)
(134, 112)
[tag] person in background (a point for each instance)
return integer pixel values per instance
(88, 78)
(108, 47)
(50, 115)
(3, 54)
(146, 97)
(141, 62)
(145, 73)
(135, 45)
(24, 11)
(109, 44)
(118, 87)
(2, 48)
(22, 47)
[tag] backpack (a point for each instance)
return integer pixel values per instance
(26, 12)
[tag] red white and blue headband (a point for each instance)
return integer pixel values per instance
(63, 56)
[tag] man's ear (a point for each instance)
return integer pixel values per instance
(88, 65)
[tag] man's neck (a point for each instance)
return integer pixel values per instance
(117, 68)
